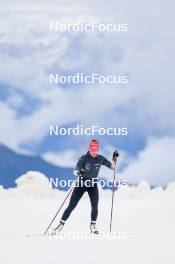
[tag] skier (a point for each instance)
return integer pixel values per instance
(86, 170)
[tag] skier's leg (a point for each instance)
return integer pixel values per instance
(75, 197)
(94, 197)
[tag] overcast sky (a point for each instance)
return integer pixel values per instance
(28, 104)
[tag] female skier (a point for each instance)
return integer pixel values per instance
(87, 170)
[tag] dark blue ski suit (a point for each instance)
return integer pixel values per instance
(91, 167)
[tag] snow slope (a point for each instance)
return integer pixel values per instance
(143, 219)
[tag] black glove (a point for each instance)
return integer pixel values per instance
(81, 172)
(115, 155)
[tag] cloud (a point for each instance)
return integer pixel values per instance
(154, 164)
(67, 158)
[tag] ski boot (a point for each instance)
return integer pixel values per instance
(58, 229)
(93, 228)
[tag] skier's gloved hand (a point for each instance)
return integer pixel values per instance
(115, 156)
(81, 172)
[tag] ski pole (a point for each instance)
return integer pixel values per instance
(112, 205)
(59, 209)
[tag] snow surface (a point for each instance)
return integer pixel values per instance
(145, 215)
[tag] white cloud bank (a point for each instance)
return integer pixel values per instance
(67, 158)
(154, 164)
(34, 184)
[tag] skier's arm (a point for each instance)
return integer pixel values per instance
(107, 163)
(111, 165)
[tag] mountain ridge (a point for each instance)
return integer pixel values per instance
(13, 165)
